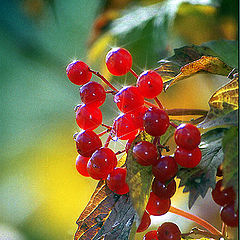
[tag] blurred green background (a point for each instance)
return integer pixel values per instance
(41, 193)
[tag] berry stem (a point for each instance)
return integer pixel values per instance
(111, 91)
(158, 102)
(106, 126)
(180, 112)
(98, 74)
(104, 132)
(120, 152)
(196, 219)
(224, 229)
(150, 104)
(108, 140)
(173, 124)
(133, 73)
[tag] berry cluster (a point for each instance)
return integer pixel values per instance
(100, 162)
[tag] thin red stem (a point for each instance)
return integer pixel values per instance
(150, 104)
(133, 73)
(158, 102)
(120, 152)
(98, 74)
(108, 140)
(106, 126)
(104, 132)
(196, 219)
(173, 124)
(180, 112)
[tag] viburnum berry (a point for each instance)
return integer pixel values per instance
(92, 94)
(145, 153)
(188, 158)
(118, 61)
(137, 116)
(81, 165)
(229, 216)
(116, 181)
(169, 231)
(128, 99)
(187, 136)
(101, 163)
(152, 235)
(223, 196)
(156, 121)
(78, 72)
(165, 169)
(157, 206)
(88, 118)
(163, 190)
(124, 128)
(87, 142)
(150, 84)
(145, 222)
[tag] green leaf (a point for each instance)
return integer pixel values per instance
(198, 180)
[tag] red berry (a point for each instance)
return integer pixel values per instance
(157, 206)
(152, 235)
(81, 165)
(187, 136)
(165, 169)
(137, 116)
(169, 231)
(88, 118)
(101, 163)
(223, 196)
(145, 153)
(116, 181)
(150, 84)
(118, 61)
(129, 144)
(92, 94)
(156, 121)
(128, 99)
(229, 216)
(162, 190)
(124, 128)
(188, 158)
(145, 222)
(78, 72)
(87, 142)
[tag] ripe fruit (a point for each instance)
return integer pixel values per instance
(78, 72)
(116, 181)
(157, 206)
(101, 163)
(150, 84)
(137, 116)
(165, 169)
(87, 142)
(188, 158)
(118, 61)
(145, 222)
(88, 118)
(145, 153)
(162, 190)
(156, 121)
(92, 94)
(229, 216)
(187, 136)
(128, 99)
(81, 165)
(152, 235)
(223, 196)
(169, 231)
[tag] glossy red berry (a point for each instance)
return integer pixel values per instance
(81, 165)
(152, 235)
(150, 84)
(188, 158)
(187, 136)
(92, 94)
(87, 142)
(128, 99)
(101, 163)
(145, 222)
(157, 206)
(156, 121)
(118, 61)
(165, 169)
(223, 196)
(78, 72)
(145, 153)
(88, 118)
(123, 127)
(137, 116)
(163, 190)
(229, 216)
(116, 181)
(169, 231)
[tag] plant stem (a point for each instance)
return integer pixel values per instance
(120, 152)
(173, 124)
(108, 140)
(150, 104)
(103, 132)
(180, 112)
(196, 219)
(224, 229)
(98, 74)
(133, 73)
(106, 126)
(158, 102)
